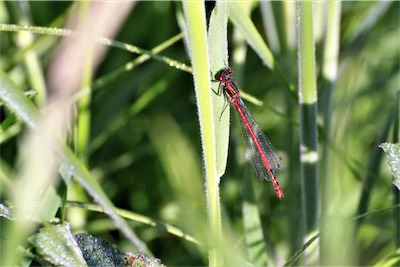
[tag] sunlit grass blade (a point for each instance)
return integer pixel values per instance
(197, 37)
(118, 72)
(218, 51)
(308, 114)
(132, 216)
(98, 39)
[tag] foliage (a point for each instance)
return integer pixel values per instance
(103, 109)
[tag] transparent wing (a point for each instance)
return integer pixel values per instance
(265, 159)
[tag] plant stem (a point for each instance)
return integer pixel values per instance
(197, 36)
(308, 115)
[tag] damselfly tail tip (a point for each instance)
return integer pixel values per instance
(277, 187)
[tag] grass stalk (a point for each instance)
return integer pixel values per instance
(197, 36)
(329, 72)
(308, 115)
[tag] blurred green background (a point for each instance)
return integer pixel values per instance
(143, 139)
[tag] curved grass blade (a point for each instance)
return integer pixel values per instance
(100, 40)
(15, 100)
(138, 218)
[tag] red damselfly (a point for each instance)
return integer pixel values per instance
(265, 159)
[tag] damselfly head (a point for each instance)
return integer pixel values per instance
(224, 75)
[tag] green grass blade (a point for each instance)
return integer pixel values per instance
(83, 176)
(31, 58)
(99, 40)
(16, 100)
(330, 73)
(118, 72)
(129, 215)
(243, 22)
(197, 37)
(296, 256)
(373, 168)
(218, 51)
(308, 116)
(254, 236)
(25, 109)
(391, 260)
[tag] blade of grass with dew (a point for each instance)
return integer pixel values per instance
(243, 22)
(25, 110)
(41, 44)
(106, 79)
(197, 36)
(100, 40)
(143, 101)
(308, 117)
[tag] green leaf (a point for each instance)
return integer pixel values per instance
(56, 244)
(140, 219)
(16, 100)
(197, 38)
(393, 153)
(218, 51)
